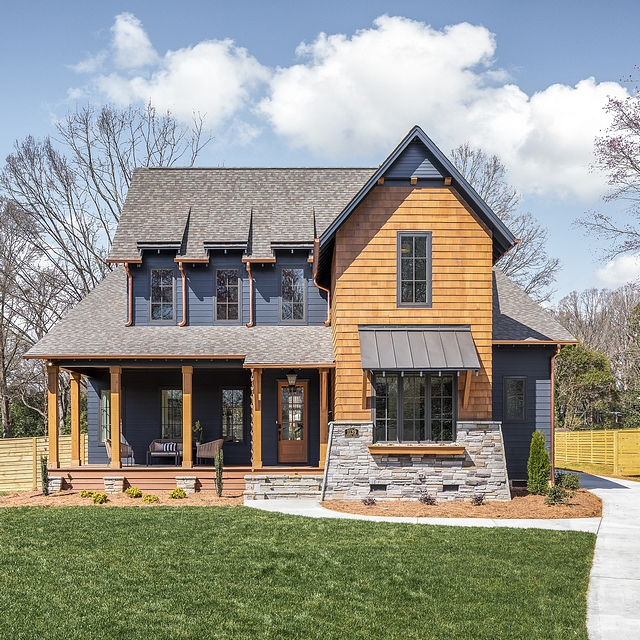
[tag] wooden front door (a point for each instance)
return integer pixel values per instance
(292, 423)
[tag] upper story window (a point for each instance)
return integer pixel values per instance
(162, 295)
(515, 399)
(293, 287)
(227, 294)
(414, 269)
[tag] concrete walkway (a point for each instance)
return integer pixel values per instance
(613, 611)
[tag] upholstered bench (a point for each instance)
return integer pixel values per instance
(165, 449)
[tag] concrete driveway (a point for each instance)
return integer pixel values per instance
(613, 610)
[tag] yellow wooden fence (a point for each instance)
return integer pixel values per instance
(20, 460)
(615, 448)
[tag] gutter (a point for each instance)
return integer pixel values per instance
(326, 464)
(183, 322)
(129, 321)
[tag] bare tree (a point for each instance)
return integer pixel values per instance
(527, 264)
(617, 153)
(605, 321)
(73, 189)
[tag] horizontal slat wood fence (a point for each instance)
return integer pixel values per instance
(20, 460)
(616, 448)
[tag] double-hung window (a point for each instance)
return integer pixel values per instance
(414, 269)
(293, 287)
(162, 295)
(171, 413)
(411, 407)
(233, 415)
(227, 294)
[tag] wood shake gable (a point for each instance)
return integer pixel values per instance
(415, 190)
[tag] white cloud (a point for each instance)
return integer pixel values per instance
(353, 98)
(131, 46)
(357, 96)
(620, 270)
(91, 64)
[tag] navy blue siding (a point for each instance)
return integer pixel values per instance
(97, 453)
(201, 288)
(414, 162)
(141, 408)
(270, 378)
(534, 362)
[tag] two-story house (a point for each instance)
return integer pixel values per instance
(346, 322)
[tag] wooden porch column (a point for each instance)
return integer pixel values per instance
(53, 416)
(256, 402)
(187, 416)
(324, 415)
(75, 418)
(116, 392)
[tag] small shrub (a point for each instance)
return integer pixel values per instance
(426, 498)
(557, 495)
(477, 499)
(177, 494)
(133, 492)
(150, 498)
(99, 497)
(86, 493)
(44, 475)
(219, 462)
(538, 465)
(369, 502)
(570, 481)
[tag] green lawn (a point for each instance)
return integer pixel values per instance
(234, 572)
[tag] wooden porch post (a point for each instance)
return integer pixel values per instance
(187, 415)
(256, 400)
(116, 387)
(324, 415)
(53, 416)
(75, 418)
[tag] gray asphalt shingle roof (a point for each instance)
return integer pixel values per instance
(218, 204)
(95, 327)
(517, 317)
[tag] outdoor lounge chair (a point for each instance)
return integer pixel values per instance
(165, 449)
(126, 451)
(208, 449)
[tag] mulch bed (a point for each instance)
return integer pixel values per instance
(73, 499)
(583, 505)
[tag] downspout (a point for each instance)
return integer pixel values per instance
(129, 321)
(183, 322)
(250, 323)
(553, 415)
(316, 249)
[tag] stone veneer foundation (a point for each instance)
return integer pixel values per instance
(353, 472)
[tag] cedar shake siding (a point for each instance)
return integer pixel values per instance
(365, 284)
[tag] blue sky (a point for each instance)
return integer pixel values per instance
(525, 80)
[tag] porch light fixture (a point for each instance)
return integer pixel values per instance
(292, 376)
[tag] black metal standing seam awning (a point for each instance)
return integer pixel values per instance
(422, 348)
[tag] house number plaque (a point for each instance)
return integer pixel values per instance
(351, 433)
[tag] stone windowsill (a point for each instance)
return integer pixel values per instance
(400, 449)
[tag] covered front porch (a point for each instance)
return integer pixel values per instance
(271, 417)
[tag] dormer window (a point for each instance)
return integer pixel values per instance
(162, 295)
(414, 269)
(293, 293)
(227, 295)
